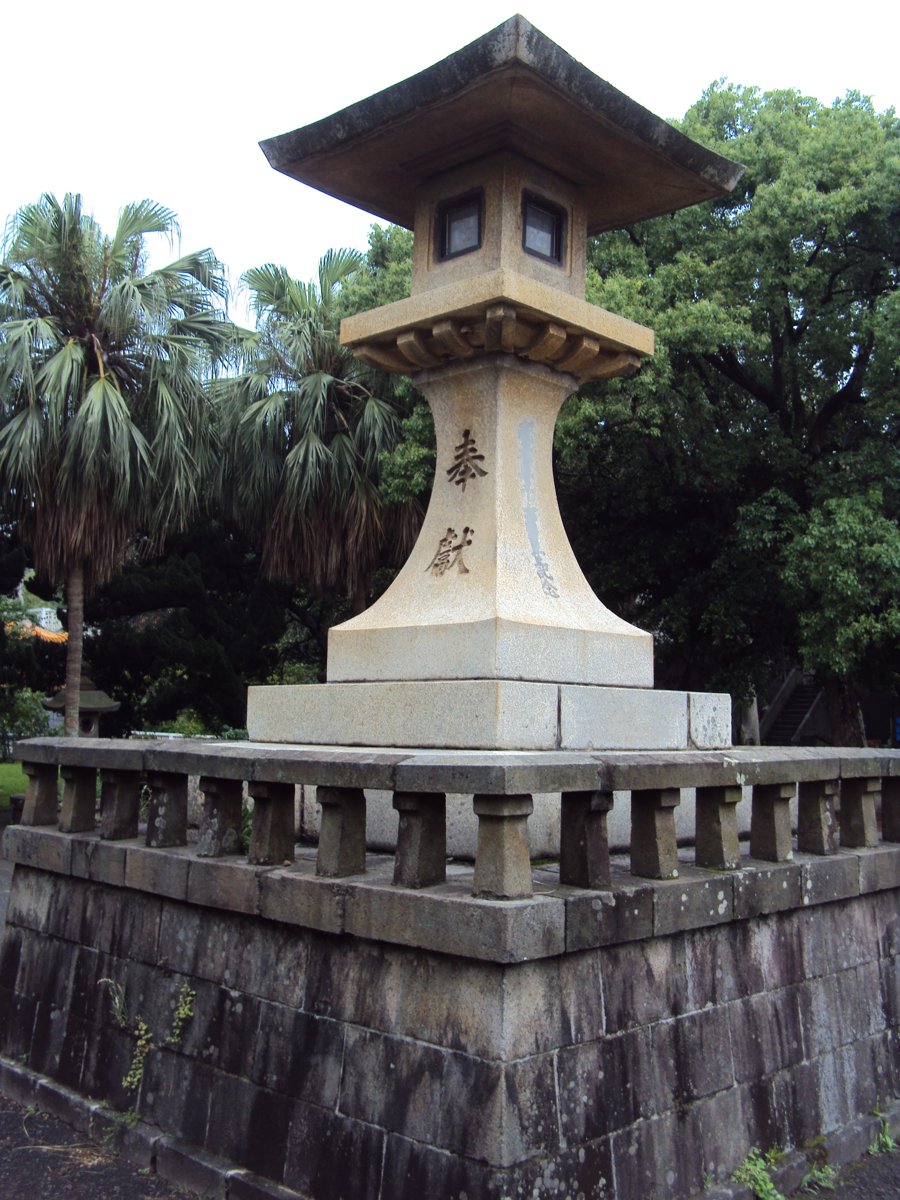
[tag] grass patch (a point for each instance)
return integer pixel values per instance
(12, 780)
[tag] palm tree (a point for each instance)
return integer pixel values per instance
(304, 433)
(103, 364)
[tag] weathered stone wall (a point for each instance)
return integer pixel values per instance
(682, 1025)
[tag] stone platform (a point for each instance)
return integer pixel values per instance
(387, 1027)
(489, 714)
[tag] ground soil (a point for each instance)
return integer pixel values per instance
(43, 1159)
(875, 1178)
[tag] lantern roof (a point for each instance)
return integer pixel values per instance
(91, 699)
(512, 89)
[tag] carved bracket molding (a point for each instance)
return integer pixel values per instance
(498, 328)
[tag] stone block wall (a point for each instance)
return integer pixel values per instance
(682, 1022)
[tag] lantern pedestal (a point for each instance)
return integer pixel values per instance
(490, 637)
(492, 589)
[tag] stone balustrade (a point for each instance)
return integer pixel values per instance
(839, 794)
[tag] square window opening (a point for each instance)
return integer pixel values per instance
(543, 228)
(460, 225)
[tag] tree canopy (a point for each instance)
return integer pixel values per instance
(773, 392)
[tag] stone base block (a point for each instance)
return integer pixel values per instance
(488, 714)
(620, 656)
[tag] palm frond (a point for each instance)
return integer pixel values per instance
(60, 375)
(203, 268)
(135, 222)
(302, 435)
(102, 369)
(335, 268)
(270, 286)
(23, 450)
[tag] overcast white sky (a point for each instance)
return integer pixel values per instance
(168, 101)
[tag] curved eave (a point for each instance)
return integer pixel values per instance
(88, 702)
(512, 89)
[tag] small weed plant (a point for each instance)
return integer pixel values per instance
(142, 1044)
(113, 1133)
(884, 1141)
(246, 827)
(184, 1010)
(143, 1036)
(755, 1172)
(820, 1179)
(117, 1000)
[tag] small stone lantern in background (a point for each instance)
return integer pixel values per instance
(503, 158)
(93, 702)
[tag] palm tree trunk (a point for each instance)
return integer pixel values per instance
(74, 646)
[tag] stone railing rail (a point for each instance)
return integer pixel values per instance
(838, 795)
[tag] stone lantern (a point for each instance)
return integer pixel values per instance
(93, 702)
(503, 159)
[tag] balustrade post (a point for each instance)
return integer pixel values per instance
(890, 808)
(502, 855)
(583, 839)
(120, 804)
(342, 836)
(220, 817)
(654, 851)
(42, 795)
(816, 825)
(78, 810)
(272, 826)
(858, 819)
(421, 858)
(770, 822)
(167, 809)
(716, 831)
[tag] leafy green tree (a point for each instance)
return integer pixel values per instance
(383, 275)
(22, 715)
(304, 431)
(104, 433)
(190, 630)
(28, 666)
(843, 567)
(164, 638)
(773, 390)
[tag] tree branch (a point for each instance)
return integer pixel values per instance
(726, 363)
(851, 393)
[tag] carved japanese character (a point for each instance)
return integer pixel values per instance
(465, 462)
(450, 552)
